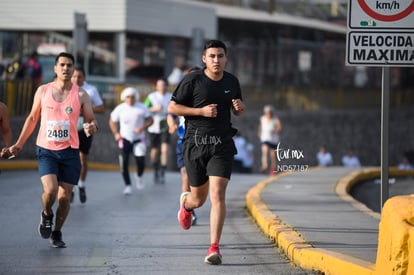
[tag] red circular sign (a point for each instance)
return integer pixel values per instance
(387, 18)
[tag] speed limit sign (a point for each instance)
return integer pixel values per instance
(381, 14)
(380, 33)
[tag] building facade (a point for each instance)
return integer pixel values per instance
(139, 41)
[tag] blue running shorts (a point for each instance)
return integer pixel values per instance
(65, 164)
(180, 156)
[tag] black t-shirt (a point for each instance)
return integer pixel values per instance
(197, 90)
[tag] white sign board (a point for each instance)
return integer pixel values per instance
(381, 48)
(381, 14)
(380, 33)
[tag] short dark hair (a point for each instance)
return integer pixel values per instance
(80, 69)
(193, 69)
(34, 54)
(215, 44)
(67, 55)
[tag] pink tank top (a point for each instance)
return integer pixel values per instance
(58, 120)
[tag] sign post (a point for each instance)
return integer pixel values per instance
(381, 33)
(80, 35)
(385, 107)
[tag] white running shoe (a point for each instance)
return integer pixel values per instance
(139, 183)
(128, 190)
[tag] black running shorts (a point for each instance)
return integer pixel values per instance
(85, 142)
(157, 139)
(204, 158)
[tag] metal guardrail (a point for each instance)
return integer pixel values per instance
(17, 95)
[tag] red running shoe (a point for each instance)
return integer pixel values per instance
(213, 255)
(185, 218)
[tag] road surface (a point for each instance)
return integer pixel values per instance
(138, 234)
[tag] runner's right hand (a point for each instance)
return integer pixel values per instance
(6, 154)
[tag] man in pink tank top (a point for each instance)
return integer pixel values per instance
(57, 105)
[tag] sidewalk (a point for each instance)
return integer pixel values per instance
(316, 228)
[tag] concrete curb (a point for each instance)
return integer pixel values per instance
(31, 164)
(298, 250)
(344, 185)
(291, 242)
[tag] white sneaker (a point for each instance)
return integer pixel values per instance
(139, 183)
(128, 190)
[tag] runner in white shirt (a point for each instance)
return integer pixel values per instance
(157, 102)
(128, 122)
(85, 143)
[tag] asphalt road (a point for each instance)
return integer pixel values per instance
(137, 234)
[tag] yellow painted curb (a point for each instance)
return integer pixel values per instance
(395, 242)
(18, 164)
(31, 164)
(298, 250)
(344, 185)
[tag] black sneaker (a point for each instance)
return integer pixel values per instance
(156, 178)
(161, 178)
(82, 194)
(56, 240)
(72, 196)
(45, 226)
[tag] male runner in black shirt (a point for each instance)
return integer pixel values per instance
(206, 98)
